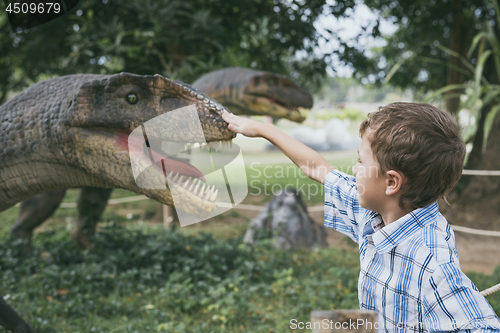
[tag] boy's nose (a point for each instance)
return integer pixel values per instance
(355, 169)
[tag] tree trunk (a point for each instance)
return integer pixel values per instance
(457, 44)
(478, 203)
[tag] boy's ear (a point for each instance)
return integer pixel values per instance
(394, 182)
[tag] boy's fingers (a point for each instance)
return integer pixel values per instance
(230, 118)
(226, 114)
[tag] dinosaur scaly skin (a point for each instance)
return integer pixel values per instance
(69, 131)
(251, 92)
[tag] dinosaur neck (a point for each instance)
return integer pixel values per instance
(30, 161)
(21, 180)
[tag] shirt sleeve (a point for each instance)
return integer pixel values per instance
(342, 210)
(453, 303)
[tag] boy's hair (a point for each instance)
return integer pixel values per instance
(423, 143)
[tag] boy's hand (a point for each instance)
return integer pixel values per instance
(309, 161)
(245, 126)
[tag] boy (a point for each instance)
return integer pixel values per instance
(411, 155)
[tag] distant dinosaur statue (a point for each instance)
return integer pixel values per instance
(243, 91)
(250, 92)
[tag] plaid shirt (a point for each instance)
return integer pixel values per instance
(410, 274)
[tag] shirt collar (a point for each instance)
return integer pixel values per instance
(388, 237)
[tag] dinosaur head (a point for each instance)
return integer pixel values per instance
(251, 92)
(89, 125)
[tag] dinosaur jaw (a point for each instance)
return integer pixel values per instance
(185, 185)
(262, 105)
(168, 178)
(197, 198)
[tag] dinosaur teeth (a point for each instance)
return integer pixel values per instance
(214, 195)
(206, 196)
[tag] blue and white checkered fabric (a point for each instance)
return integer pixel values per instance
(410, 272)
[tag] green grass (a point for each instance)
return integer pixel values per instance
(152, 279)
(142, 277)
(160, 280)
(268, 179)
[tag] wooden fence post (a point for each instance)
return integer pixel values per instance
(345, 321)
(168, 216)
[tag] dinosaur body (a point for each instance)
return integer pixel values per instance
(69, 131)
(243, 91)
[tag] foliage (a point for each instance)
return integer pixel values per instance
(486, 281)
(479, 92)
(179, 39)
(164, 281)
(413, 52)
(136, 281)
(337, 90)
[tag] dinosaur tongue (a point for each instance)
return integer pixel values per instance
(124, 141)
(176, 166)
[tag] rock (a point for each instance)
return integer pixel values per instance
(308, 135)
(338, 137)
(336, 132)
(285, 219)
(315, 139)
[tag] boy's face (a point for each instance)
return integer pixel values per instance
(371, 184)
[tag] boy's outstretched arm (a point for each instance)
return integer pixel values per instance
(309, 161)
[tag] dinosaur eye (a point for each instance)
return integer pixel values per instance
(132, 98)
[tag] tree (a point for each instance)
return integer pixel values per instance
(179, 39)
(416, 55)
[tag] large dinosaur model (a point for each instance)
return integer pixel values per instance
(252, 92)
(69, 132)
(243, 91)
